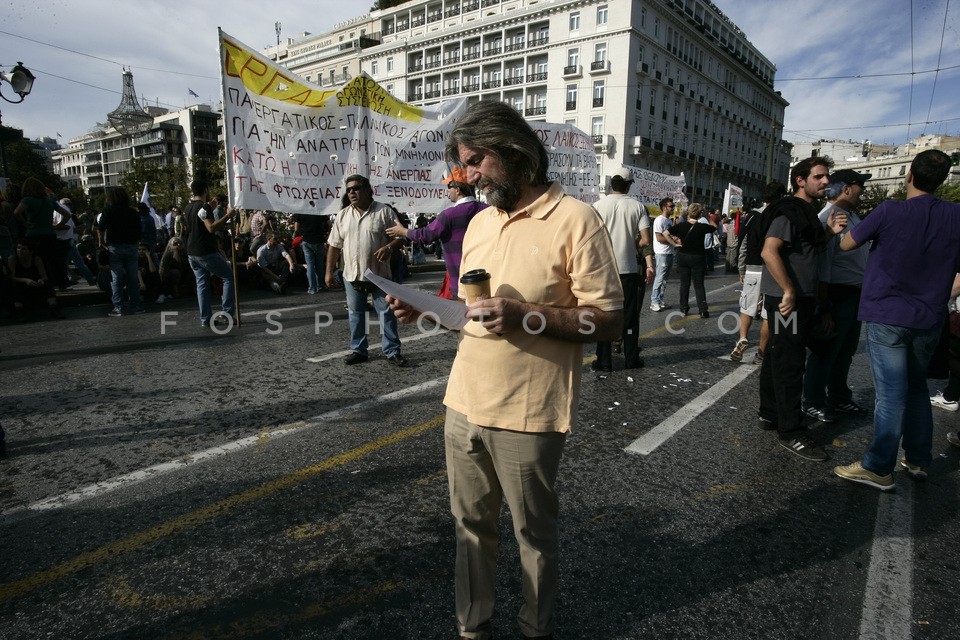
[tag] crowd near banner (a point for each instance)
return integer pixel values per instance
(650, 187)
(289, 143)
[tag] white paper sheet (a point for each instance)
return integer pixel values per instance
(449, 313)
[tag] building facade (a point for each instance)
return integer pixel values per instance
(99, 158)
(888, 170)
(669, 85)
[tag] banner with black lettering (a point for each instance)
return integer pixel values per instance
(289, 143)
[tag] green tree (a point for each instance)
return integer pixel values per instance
(386, 4)
(949, 191)
(214, 172)
(872, 196)
(167, 182)
(23, 160)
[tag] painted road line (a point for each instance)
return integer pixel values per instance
(648, 442)
(888, 595)
(112, 484)
(405, 340)
(203, 515)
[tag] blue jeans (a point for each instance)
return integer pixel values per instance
(664, 262)
(212, 264)
(124, 265)
(313, 253)
(73, 255)
(898, 359)
(357, 315)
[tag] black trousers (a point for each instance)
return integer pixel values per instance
(691, 267)
(781, 374)
(631, 325)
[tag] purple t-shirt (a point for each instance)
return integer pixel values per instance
(913, 261)
(449, 228)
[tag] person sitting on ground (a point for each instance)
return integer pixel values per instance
(31, 284)
(148, 275)
(275, 262)
(175, 270)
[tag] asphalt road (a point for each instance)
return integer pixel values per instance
(167, 482)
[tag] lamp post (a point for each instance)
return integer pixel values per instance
(21, 81)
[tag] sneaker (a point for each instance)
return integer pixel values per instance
(355, 358)
(820, 413)
(161, 299)
(276, 287)
(939, 401)
(850, 407)
(596, 366)
(397, 360)
(737, 354)
(805, 448)
(704, 315)
(916, 472)
(766, 424)
(856, 473)
(116, 312)
(954, 439)
(656, 307)
(56, 314)
(758, 358)
(139, 310)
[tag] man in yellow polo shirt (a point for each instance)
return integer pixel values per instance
(513, 390)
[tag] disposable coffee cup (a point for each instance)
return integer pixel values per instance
(475, 285)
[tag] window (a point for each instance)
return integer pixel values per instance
(571, 96)
(602, 14)
(596, 126)
(390, 64)
(643, 17)
(599, 88)
(656, 27)
(374, 68)
(600, 52)
(575, 21)
(573, 57)
(640, 53)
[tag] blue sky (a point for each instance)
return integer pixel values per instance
(171, 47)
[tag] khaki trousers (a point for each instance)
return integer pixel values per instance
(485, 466)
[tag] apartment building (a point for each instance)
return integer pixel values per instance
(670, 85)
(97, 159)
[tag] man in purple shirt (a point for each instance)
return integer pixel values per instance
(448, 227)
(912, 266)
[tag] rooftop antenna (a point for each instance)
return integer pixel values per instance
(276, 26)
(128, 117)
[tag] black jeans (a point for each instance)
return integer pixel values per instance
(631, 325)
(691, 267)
(825, 380)
(781, 374)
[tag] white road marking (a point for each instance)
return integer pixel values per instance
(888, 596)
(106, 486)
(648, 442)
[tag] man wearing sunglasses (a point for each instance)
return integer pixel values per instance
(359, 235)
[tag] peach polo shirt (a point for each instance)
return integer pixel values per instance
(555, 252)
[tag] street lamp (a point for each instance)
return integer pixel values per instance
(20, 80)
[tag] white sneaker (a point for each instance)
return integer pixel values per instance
(655, 307)
(275, 286)
(939, 401)
(161, 299)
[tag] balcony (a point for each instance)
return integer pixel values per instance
(451, 91)
(403, 26)
(492, 51)
(489, 3)
(571, 105)
(537, 77)
(388, 31)
(603, 143)
(643, 67)
(491, 84)
(597, 102)
(572, 71)
(471, 87)
(639, 143)
(433, 17)
(538, 42)
(513, 46)
(599, 66)
(431, 94)
(416, 66)
(471, 55)
(418, 22)
(454, 11)
(512, 80)
(452, 58)
(535, 111)
(433, 64)
(470, 6)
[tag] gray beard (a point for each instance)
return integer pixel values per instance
(502, 196)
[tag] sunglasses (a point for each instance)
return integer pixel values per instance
(352, 189)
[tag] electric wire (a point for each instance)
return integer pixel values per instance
(943, 32)
(910, 107)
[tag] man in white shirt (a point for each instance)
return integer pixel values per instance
(663, 247)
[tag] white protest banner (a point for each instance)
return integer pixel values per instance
(290, 143)
(732, 199)
(650, 187)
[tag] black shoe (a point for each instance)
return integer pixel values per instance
(704, 314)
(820, 413)
(805, 448)
(849, 407)
(637, 364)
(684, 310)
(766, 424)
(355, 358)
(56, 314)
(396, 360)
(596, 366)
